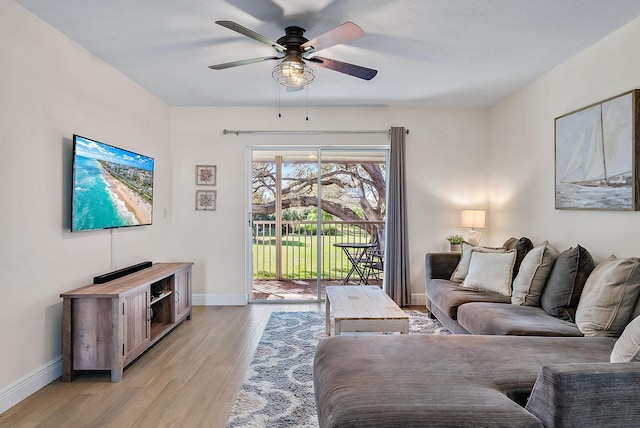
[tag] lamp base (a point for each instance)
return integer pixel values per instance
(474, 237)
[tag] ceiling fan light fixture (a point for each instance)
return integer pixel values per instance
(293, 72)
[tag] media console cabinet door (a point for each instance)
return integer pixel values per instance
(137, 324)
(183, 293)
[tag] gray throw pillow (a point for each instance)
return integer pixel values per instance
(627, 347)
(609, 297)
(522, 247)
(534, 270)
(565, 283)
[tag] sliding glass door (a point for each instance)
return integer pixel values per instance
(304, 201)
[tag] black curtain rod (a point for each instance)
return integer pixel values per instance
(317, 132)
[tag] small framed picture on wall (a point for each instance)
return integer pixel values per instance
(206, 200)
(206, 175)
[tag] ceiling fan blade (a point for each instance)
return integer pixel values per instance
(341, 34)
(250, 33)
(242, 62)
(344, 67)
(263, 11)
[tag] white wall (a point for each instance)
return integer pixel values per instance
(446, 171)
(522, 151)
(50, 89)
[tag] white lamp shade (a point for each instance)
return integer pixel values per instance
(473, 218)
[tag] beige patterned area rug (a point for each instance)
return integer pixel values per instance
(277, 390)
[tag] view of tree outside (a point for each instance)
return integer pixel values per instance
(353, 209)
(350, 191)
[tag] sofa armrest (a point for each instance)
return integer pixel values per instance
(440, 265)
(588, 394)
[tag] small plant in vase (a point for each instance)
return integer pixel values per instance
(455, 242)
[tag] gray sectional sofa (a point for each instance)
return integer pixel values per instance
(470, 309)
(537, 358)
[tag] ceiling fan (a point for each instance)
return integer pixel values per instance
(294, 49)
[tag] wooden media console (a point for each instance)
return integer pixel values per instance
(106, 326)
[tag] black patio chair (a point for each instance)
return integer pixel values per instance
(374, 259)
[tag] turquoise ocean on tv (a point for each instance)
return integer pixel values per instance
(93, 205)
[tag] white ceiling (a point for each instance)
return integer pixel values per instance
(435, 53)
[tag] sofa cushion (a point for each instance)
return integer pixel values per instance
(609, 297)
(627, 347)
(565, 283)
(512, 320)
(599, 395)
(440, 265)
(522, 247)
(465, 258)
(491, 271)
(425, 380)
(534, 270)
(448, 296)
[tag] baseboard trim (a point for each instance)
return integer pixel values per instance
(220, 299)
(418, 299)
(32, 382)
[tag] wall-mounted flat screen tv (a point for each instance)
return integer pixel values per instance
(112, 187)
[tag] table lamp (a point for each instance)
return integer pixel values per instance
(473, 219)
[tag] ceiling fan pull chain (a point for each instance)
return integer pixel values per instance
(307, 103)
(279, 96)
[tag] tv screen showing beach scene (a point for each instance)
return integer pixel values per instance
(112, 187)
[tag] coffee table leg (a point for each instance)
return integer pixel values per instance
(328, 315)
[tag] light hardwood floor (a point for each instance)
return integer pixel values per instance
(189, 379)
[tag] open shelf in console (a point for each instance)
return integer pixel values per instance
(161, 308)
(161, 289)
(155, 298)
(159, 329)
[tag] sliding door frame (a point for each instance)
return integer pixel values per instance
(249, 215)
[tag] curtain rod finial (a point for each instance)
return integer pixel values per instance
(406, 131)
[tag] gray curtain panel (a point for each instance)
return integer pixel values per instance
(396, 275)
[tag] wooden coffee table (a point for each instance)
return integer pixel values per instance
(363, 309)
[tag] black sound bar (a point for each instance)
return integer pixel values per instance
(101, 279)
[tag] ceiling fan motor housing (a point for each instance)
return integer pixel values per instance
(293, 38)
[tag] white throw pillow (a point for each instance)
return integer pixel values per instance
(491, 271)
(532, 276)
(627, 347)
(465, 258)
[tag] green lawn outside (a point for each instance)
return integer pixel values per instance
(300, 257)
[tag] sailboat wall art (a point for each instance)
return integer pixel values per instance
(597, 155)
